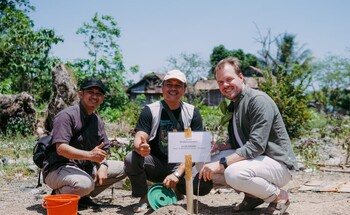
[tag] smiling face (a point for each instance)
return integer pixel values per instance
(173, 90)
(91, 98)
(230, 83)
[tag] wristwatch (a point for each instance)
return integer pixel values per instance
(223, 161)
(105, 163)
(177, 175)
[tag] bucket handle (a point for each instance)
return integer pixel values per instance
(44, 205)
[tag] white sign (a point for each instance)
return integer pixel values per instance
(198, 146)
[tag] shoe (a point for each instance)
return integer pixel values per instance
(277, 208)
(86, 202)
(140, 207)
(280, 206)
(53, 192)
(248, 204)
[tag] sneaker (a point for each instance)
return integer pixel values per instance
(86, 202)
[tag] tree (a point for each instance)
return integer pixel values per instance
(287, 54)
(287, 73)
(220, 52)
(24, 53)
(191, 64)
(105, 62)
(332, 75)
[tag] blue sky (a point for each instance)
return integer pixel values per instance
(154, 30)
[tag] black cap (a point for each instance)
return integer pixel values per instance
(93, 82)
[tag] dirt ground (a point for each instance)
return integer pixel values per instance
(19, 196)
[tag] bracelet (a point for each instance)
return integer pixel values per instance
(104, 163)
(177, 175)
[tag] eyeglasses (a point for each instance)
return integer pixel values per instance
(176, 86)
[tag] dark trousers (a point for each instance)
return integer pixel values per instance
(140, 169)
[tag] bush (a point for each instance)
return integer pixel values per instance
(288, 93)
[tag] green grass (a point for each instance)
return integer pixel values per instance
(18, 149)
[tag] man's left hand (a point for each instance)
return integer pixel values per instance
(170, 181)
(101, 175)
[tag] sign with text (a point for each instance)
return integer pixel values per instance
(197, 145)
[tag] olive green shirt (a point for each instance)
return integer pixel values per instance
(261, 128)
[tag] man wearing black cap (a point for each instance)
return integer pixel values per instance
(77, 164)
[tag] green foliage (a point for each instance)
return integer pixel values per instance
(16, 148)
(340, 99)
(105, 61)
(128, 115)
(19, 126)
(211, 121)
(220, 52)
(287, 75)
(227, 115)
(24, 52)
(288, 93)
(317, 120)
(131, 113)
(120, 150)
(191, 65)
(332, 74)
(5, 86)
(110, 115)
(289, 53)
(307, 148)
(319, 129)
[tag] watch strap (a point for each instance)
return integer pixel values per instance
(104, 163)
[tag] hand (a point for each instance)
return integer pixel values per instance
(101, 175)
(170, 181)
(97, 154)
(209, 170)
(144, 149)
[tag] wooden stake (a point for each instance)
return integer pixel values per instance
(189, 184)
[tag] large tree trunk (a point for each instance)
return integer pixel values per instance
(64, 94)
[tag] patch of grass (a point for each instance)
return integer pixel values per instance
(14, 153)
(17, 147)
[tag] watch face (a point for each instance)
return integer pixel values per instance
(222, 160)
(177, 174)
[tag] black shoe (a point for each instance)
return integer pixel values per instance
(53, 192)
(86, 202)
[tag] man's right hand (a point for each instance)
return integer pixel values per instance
(98, 154)
(144, 149)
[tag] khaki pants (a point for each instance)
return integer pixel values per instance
(72, 180)
(262, 176)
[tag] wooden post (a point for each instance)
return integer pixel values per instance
(189, 184)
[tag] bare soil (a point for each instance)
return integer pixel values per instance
(19, 196)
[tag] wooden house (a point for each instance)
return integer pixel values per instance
(208, 90)
(150, 86)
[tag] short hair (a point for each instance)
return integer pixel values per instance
(234, 62)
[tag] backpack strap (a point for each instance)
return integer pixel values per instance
(172, 117)
(75, 136)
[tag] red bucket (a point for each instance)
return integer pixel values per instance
(59, 204)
